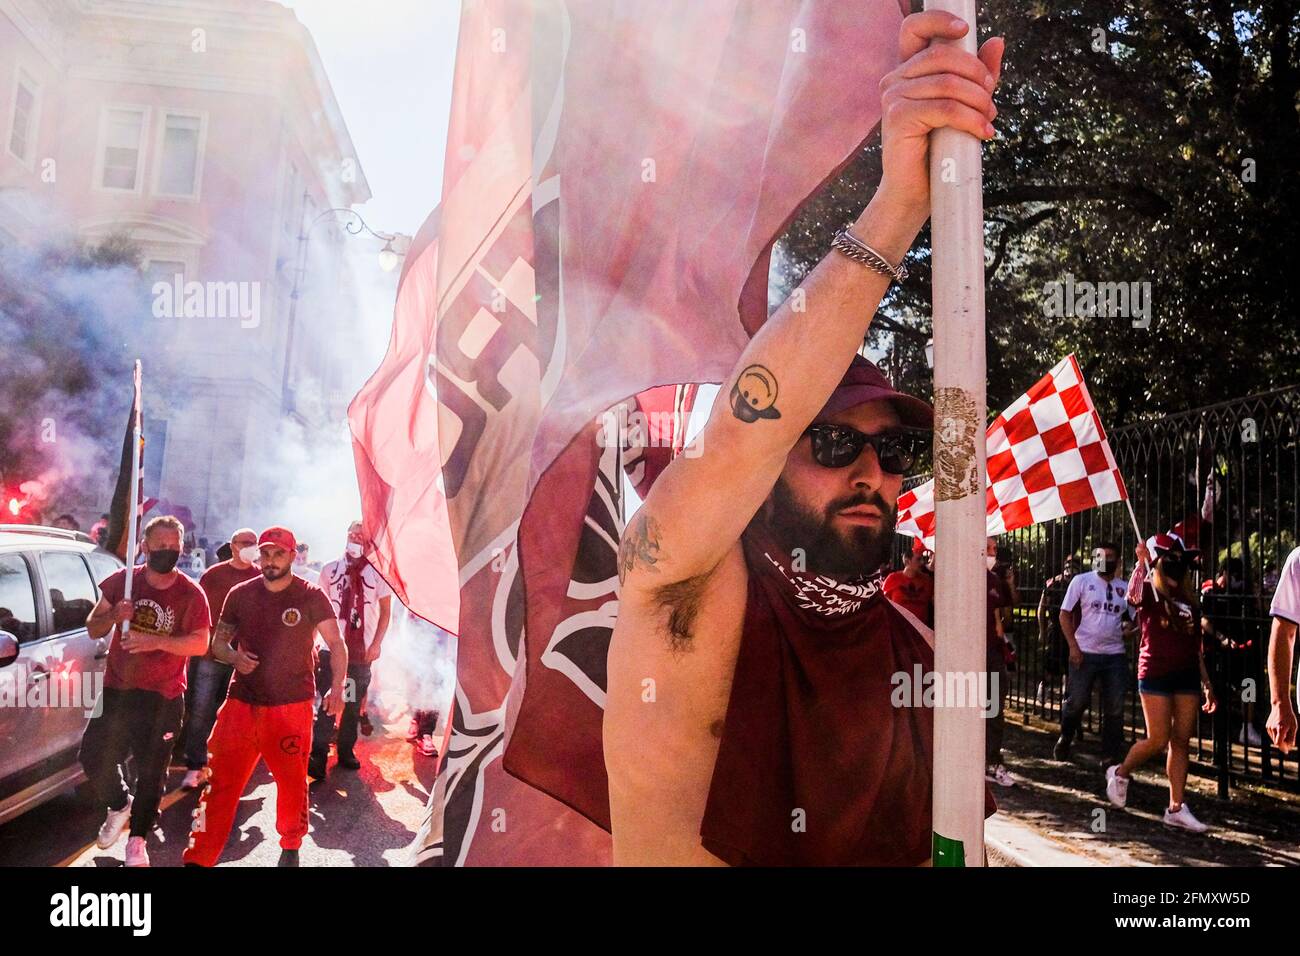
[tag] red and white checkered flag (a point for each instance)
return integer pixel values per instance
(1047, 457)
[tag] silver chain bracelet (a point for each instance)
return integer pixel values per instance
(859, 251)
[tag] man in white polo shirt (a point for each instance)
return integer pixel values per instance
(1096, 644)
(1285, 612)
(363, 605)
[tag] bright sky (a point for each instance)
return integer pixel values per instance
(390, 63)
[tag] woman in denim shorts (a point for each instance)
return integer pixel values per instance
(1172, 680)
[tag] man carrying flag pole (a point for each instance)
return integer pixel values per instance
(155, 619)
(770, 658)
(473, 436)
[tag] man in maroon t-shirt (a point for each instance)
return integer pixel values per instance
(911, 588)
(144, 684)
(268, 715)
(209, 677)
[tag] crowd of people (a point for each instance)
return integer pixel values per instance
(1086, 623)
(263, 659)
(269, 657)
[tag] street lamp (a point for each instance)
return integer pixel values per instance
(388, 259)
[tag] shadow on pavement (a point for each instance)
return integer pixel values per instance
(1067, 801)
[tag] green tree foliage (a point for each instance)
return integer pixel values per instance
(1143, 141)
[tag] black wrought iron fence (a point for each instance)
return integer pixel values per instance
(1245, 454)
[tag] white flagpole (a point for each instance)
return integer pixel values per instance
(960, 412)
(1133, 516)
(133, 515)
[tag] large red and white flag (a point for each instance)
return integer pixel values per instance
(1047, 457)
(616, 173)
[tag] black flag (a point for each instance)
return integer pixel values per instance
(119, 513)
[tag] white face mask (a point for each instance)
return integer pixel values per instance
(249, 554)
(354, 550)
(1099, 562)
(991, 560)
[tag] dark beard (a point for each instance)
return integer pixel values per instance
(842, 555)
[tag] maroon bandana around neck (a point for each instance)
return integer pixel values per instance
(815, 592)
(816, 766)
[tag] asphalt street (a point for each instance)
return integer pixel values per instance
(366, 817)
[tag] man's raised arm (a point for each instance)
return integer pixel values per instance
(700, 505)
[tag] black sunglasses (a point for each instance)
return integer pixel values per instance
(838, 446)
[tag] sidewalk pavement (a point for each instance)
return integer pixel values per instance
(1058, 814)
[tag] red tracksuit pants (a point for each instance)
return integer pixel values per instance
(244, 734)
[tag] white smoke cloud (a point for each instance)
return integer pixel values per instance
(416, 669)
(67, 326)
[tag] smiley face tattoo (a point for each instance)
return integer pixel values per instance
(754, 395)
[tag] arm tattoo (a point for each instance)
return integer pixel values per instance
(224, 634)
(753, 396)
(640, 546)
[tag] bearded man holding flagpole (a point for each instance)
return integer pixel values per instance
(749, 644)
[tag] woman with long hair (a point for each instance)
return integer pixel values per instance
(1172, 679)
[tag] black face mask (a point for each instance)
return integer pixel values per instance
(163, 561)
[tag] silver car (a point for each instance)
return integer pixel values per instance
(51, 670)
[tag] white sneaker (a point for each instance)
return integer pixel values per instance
(1001, 776)
(113, 824)
(196, 778)
(136, 852)
(1116, 786)
(1249, 736)
(1183, 819)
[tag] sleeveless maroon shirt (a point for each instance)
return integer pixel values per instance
(816, 766)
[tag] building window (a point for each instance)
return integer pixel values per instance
(180, 155)
(164, 270)
(22, 131)
(122, 136)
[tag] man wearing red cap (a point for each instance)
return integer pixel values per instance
(754, 644)
(912, 588)
(268, 714)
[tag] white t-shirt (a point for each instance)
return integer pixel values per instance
(1103, 606)
(331, 582)
(1286, 599)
